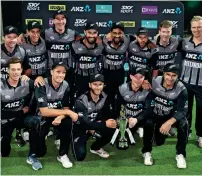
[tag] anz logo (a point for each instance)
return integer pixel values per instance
(194, 56)
(60, 47)
(13, 104)
(164, 101)
(138, 59)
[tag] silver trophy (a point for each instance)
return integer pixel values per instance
(122, 122)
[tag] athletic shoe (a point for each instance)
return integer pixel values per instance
(57, 143)
(148, 161)
(200, 142)
(36, 165)
(65, 161)
(172, 132)
(20, 140)
(181, 162)
(140, 131)
(102, 153)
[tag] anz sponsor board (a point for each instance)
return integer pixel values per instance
(39, 20)
(54, 7)
(173, 11)
(128, 23)
(85, 8)
(105, 23)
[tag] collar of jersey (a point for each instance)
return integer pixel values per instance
(158, 42)
(95, 46)
(11, 87)
(65, 32)
(90, 98)
(111, 45)
(3, 48)
(145, 47)
(192, 41)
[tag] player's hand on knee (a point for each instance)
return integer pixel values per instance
(132, 122)
(111, 123)
(165, 128)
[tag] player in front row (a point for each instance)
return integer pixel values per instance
(15, 97)
(95, 118)
(134, 98)
(168, 108)
(53, 109)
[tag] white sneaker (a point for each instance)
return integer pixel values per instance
(140, 131)
(65, 161)
(148, 161)
(102, 153)
(181, 162)
(200, 142)
(57, 143)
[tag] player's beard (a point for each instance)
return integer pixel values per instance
(117, 40)
(90, 41)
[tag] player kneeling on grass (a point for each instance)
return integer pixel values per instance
(169, 108)
(93, 109)
(52, 104)
(15, 97)
(135, 101)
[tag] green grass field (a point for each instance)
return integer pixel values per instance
(129, 162)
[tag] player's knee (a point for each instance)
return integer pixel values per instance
(79, 152)
(80, 156)
(32, 123)
(149, 123)
(182, 123)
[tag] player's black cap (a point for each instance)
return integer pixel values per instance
(59, 12)
(142, 31)
(10, 30)
(118, 25)
(97, 77)
(90, 25)
(59, 64)
(141, 71)
(172, 68)
(33, 24)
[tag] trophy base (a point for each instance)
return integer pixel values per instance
(122, 146)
